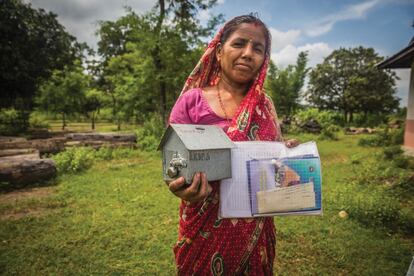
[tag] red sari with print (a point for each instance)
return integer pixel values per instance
(208, 245)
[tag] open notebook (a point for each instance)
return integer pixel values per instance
(270, 179)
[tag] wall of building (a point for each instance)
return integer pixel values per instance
(409, 123)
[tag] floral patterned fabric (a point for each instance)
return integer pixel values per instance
(208, 245)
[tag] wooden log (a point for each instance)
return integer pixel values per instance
(110, 137)
(26, 156)
(4, 139)
(52, 145)
(26, 171)
(98, 144)
(13, 152)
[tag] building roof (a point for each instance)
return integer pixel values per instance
(402, 59)
(198, 137)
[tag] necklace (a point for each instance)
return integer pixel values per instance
(222, 105)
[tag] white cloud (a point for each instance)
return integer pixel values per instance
(282, 39)
(220, 2)
(356, 11)
(204, 15)
(288, 55)
(80, 17)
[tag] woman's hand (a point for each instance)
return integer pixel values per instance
(291, 143)
(197, 191)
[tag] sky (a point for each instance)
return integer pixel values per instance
(316, 26)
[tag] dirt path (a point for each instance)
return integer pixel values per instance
(24, 194)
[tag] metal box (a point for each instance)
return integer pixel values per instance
(187, 149)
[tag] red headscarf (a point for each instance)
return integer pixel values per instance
(256, 117)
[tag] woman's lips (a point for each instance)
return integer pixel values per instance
(243, 66)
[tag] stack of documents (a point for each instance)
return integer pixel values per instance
(270, 179)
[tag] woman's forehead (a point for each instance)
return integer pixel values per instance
(250, 31)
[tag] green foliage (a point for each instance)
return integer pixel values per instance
(325, 118)
(384, 137)
(284, 85)
(329, 132)
(38, 120)
(32, 44)
(64, 92)
(73, 160)
(79, 159)
(349, 81)
(150, 132)
(11, 121)
(140, 74)
(94, 100)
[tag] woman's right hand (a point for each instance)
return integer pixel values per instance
(197, 191)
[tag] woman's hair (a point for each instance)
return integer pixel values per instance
(232, 25)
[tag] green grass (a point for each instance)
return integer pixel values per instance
(119, 218)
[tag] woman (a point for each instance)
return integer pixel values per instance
(226, 89)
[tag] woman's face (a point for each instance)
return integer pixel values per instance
(242, 55)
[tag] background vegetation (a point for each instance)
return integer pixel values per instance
(109, 213)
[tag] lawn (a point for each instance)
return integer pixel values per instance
(119, 218)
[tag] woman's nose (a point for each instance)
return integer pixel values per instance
(248, 50)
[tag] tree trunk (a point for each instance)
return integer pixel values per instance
(156, 55)
(63, 120)
(351, 116)
(93, 120)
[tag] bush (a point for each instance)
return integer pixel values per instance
(384, 137)
(74, 159)
(329, 133)
(324, 117)
(11, 121)
(392, 151)
(150, 132)
(328, 120)
(38, 120)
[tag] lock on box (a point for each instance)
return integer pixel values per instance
(187, 149)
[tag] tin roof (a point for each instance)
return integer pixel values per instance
(198, 137)
(402, 59)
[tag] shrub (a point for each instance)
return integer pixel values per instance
(328, 120)
(324, 117)
(74, 159)
(150, 132)
(11, 121)
(392, 151)
(38, 120)
(329, 133)
(384, 137)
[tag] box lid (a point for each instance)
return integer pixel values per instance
(198, 137)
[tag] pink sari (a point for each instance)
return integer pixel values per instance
(208, 245)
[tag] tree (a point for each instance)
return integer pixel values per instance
(64, 92)
(32, 44)
(348, 81)
(129, 78)
(285, 84)
(92, 103)
(170, 46)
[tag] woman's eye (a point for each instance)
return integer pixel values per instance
(238, 44)
(258, 50)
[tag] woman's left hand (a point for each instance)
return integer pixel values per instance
(291, 143)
